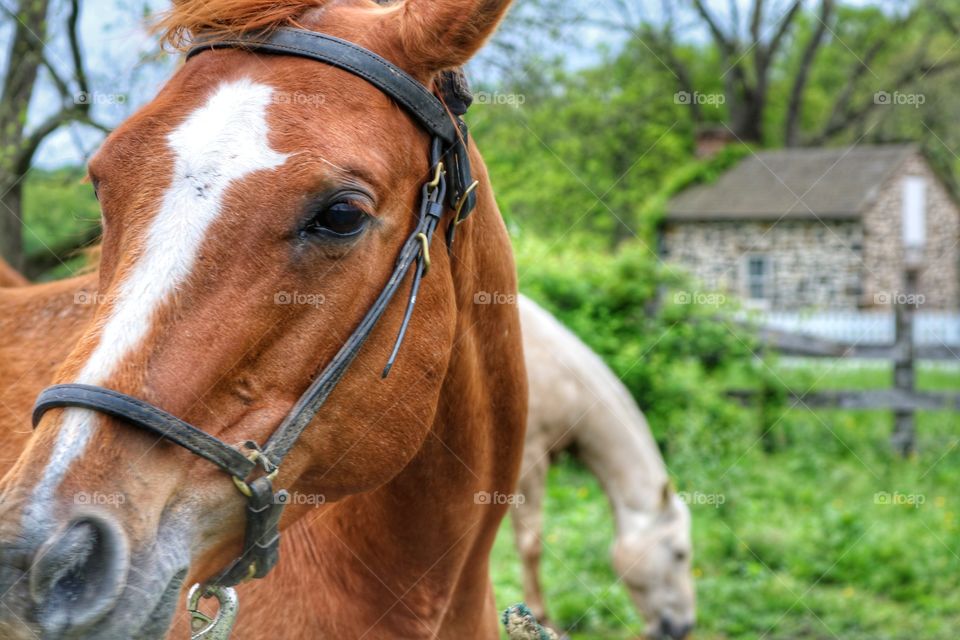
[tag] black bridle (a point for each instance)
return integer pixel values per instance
(450, 186)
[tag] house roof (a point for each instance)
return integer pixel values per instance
(837, 183)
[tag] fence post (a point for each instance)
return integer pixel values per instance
(904, 375)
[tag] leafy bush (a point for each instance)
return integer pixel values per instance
(667, 345)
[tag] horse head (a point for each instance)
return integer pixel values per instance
(253, 214)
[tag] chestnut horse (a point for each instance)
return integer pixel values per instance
(577, 402)
(246, 233)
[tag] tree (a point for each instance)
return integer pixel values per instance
(27, 57)
(760, 52)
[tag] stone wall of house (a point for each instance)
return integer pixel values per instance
(815, 265)
(842, 265)
(883, 259)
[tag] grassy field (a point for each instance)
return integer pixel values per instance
(804, 545)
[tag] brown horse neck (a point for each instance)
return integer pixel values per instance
(426, 535)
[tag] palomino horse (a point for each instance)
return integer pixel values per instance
(253, 213)
(577, 401)
(10, 277)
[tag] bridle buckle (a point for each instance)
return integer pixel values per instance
(202, 626)
(259, 458)
(457, 219)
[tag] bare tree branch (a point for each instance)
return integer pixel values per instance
(734, 8)
(756, 22)
(73, 36)
(946, 18)
(62, 87)
(725, 43)
(795, 106)
(855, 115)
(783, 29)
(843, 114)
(666, 49)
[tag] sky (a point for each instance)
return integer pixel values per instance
(114, 41)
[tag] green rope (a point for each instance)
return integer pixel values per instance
(521, 625)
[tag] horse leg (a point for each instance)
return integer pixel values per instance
(527, 517)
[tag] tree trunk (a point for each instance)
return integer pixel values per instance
(26, 54)
(11, 227)
(748, 125)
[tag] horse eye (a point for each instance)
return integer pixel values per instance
(342, 219)
(680, 556)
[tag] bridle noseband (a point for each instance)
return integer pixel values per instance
(450, 186)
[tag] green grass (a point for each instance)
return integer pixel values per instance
(800, 548)
(59, 208)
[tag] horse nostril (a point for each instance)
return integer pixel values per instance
(672, 630)
(78, 575)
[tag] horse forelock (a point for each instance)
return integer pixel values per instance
(223, 18)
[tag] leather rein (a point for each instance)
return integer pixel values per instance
(450, 186)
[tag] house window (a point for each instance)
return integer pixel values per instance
(758, 277)
(914, 217)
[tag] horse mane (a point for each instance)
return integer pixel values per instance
(226, 18)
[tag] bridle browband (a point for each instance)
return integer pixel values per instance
(450, 186)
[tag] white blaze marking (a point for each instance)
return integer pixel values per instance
(219, 144)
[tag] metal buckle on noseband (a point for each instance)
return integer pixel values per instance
(202, 626)
(256, 456)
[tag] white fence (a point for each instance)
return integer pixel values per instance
(931, 328)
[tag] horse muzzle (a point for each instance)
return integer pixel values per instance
(83, 582)
(669, 629)
(78, 575)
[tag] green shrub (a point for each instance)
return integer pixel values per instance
(667, 345)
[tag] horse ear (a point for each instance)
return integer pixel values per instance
(442, 34)
(666, 494)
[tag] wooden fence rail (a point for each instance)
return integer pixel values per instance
(903, 399)
(793, 344)
(892, 399)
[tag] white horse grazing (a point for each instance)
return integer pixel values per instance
(575, 399)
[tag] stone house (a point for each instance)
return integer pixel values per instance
(820, 229)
